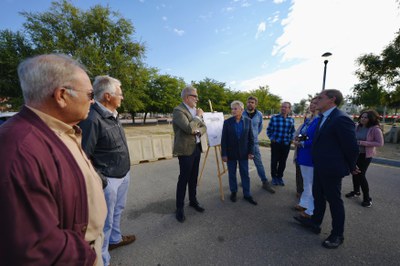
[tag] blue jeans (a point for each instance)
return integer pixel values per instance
(258, 163)
(115, 193)
(244, 175)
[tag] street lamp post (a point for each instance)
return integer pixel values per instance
(327, 54)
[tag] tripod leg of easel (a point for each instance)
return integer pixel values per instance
(223, 165)
(221, 192)
(202, 168)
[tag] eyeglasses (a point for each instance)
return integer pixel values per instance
(90, 94)
(195, 96)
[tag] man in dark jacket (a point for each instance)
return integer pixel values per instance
(105, 144)
(334, 154)
(237, 146)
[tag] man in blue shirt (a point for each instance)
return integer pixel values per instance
(280, 131)
(257, 125)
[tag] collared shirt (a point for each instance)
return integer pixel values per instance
(239, 127)
(193, 112)
(114, 114)
(72, 137)
(281, 129)
(325, 115)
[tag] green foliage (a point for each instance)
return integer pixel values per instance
(379, 77)
(103, 41)
(268, 103)
(300, 108)
(13, 49)
(214, 91)
(164, 93)
(100, 38)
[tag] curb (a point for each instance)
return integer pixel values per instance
(385, 161)
(376, 160)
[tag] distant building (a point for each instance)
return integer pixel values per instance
(350, 108)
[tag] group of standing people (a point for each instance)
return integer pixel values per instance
(66, 168)
(329, 147)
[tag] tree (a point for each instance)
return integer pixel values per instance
(379, 77)
(13, 48)
(100, 38)
(163, 94)
(268, 103)
(216, 92)
(300, 108)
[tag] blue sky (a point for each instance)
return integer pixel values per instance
(250, 43)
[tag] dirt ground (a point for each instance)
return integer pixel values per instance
(388, 151)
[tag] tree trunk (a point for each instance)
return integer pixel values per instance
(133, 118)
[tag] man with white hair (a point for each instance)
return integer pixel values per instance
(188, 127)
(105, 144)
(51, 200)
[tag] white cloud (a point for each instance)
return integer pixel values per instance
(261, 28)
(274, 18)
(232, 83)
(179, 32)
(279, 1)
(228, 9)
(164, 18)
(347, 29)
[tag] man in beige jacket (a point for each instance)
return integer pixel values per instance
(188, 127)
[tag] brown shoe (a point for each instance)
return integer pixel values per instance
(126, 240)
(299, 208)
(305, 215)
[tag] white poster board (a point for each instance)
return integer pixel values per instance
(214, 123)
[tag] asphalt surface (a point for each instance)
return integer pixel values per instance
(242, 234)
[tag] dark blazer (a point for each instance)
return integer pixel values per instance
(335, 149)
(231, 146)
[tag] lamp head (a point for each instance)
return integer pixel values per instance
(326, 54)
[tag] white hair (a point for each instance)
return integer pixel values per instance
(104, 84)
(40, 75)
(237, 103)
(187, 90)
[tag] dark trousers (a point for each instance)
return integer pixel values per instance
(299, 180)
(360, 180)
(327, 188)
(189, 170)
(279, 154)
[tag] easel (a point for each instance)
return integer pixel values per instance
(220, 164)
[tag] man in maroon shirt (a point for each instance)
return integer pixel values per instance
(43, 196)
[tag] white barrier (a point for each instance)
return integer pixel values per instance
(149, 148)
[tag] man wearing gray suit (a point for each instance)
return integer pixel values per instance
(188, 127)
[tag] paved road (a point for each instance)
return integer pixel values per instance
(242, 234)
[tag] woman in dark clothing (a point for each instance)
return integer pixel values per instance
(369, 136)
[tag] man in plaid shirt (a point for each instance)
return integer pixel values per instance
(280, 131)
